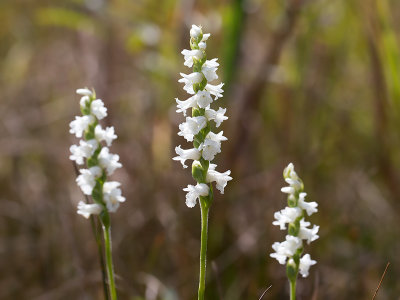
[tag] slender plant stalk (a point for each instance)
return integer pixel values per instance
(110, 267)
(96, 228)
(292, 289)
(96, 231)
(203, 248)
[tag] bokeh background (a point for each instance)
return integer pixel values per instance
(316, 83)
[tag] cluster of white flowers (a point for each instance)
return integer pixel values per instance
(99, 161)
(197, 128)
(291, 249)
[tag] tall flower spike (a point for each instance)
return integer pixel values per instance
(100, 164)
(198, 128)
(290, 251)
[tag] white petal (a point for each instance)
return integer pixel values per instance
(221, 179)
(195, 31)
(98, 109)
(305, 263)
(183, 155)
(84, 92)
(86, 210)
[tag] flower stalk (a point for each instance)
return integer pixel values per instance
(198, 129)
(203, 247)
(290, 251)
(109, 262)
(100, 164)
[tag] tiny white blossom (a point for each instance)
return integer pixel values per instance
(216, 136)
(212, 145)
(194, 192)
(210, 148)
(289, 172)
(84, 150)
(203, 99)
(87, 179)
(109, 161)
(205, 37)
(217, 116)
(107, 135)
(299, 228)
(183, 155)
(112, 195)
(294, 183)
(98, 109)
(209, 69)
(286, 249)
(195, 31)
(309, 234)
(215, 90)
(288, 190)
(221, 179)
(305, 263)
(191, 127)
(191, 55)
(186, 104)
(84, 100)
(190, 79)
(286, 216)
(84, 92)
(80, 124)
(86, 210)
(309, 207)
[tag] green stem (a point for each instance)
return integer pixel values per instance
(203, 248)
(292, 290)
(97, 234)
(110, 268)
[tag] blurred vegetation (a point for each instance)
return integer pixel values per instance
(313, 82)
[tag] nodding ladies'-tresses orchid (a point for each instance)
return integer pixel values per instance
(290, 251)
(100, 164)
(197, 128)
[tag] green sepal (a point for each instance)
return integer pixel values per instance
(85, 110)
(97, 193)
(198, 172)
(89, 133)
(105, 218)
(207, 200)
(297, 255)
(196, 142)
(205, 164)
(197, 111)
(205, 131)
(200, 137)
(194, 45)
(200, 86)
(292, 201)
(199, 38)
(197, 65)
(291, 271)
(293, 229)
(92, 161)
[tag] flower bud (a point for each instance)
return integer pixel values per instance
(198, 172)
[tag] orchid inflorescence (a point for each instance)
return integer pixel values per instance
(290, 251)
(197, 128)
(100, 162)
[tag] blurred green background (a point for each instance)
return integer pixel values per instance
(316, 83)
